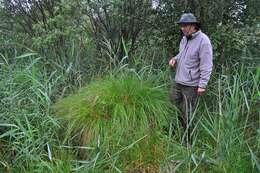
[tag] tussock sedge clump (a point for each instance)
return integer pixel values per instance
(123, 114)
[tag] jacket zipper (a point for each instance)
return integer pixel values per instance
(185, 48)
(184, 52)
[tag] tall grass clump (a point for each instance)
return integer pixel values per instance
(121, 113)
(229, 122)
(27, 131)
(226, 128)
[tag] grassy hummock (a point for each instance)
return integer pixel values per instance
(123, 114)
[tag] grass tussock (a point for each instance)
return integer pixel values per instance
(122, 112)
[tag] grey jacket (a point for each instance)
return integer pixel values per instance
(194, 61)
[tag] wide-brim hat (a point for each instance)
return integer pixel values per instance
(187, 18)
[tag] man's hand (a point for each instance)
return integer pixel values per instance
(200, 91)
(172, 62)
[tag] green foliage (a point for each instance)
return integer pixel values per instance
(122, 122)
(118, 111)
(115, 122)
(26, 126)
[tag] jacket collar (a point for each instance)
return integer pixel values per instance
(192, 36)
(195, 34)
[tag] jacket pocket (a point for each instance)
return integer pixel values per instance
(190, 75)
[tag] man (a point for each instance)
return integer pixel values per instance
(193, 69)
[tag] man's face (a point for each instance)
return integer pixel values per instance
(187, 29)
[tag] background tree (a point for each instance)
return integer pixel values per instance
(117, 22)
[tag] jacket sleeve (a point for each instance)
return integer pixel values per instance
(177, 57)
(206, 64)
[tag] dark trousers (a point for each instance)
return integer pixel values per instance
(185, 99)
